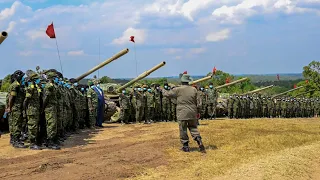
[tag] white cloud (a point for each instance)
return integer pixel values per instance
(197, 50)
(218, 36)
(178, 57)
(236, 14)
(26, 53)
(173, 50)
(76, 53)
(8, 12)
(11, 26)
(139, 36)
(36, 34)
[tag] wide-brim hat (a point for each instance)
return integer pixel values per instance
(186, 78)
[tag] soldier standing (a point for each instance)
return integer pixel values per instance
(139, 97)
(165, 104)
(188, 107)
(157, 103)
(124, 106)
(14, 108)
(50, 109)
(92, 104)
(150, 105)
(32, 106)
(212, 101)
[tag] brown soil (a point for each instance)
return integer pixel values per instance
(114, 152)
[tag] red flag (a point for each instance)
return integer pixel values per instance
(214, 70)
(228, 80)
(278, 77)
(294, 86)
(307, 81)
(185, 72)
(50, 31)
(132, 39)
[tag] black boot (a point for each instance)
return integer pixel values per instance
(18, 144)
(53, 146)
(34, 146)
(185, 147)
(11, 140)
(201, 146)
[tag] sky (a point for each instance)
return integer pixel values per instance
(235, 36)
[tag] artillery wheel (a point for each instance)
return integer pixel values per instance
(116, 116)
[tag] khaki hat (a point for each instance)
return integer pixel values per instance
(186, 78)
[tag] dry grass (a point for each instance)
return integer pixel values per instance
(247, 149)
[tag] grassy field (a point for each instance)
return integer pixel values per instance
(248, 149)
(236, 149)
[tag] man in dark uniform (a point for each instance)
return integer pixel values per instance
(188, 107)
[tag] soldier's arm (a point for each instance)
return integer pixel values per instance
(12, 94)
(26, 99)
(171, 94)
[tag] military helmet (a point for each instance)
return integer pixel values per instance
(31, 74)
(51, 75)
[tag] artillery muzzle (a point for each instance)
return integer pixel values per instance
(3, 36)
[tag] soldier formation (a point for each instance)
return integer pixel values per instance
(44, 108)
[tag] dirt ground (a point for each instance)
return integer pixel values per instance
(237, 149)
(114, 152)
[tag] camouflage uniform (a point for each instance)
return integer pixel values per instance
(212, 102)
(140, 99)
(157, 105)
(50, 110)
(166, 108)
(92, 98)
(15, 116)
(125, 107)
(33, 111)
(150, 106)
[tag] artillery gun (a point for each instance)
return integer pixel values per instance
(223, 97)
(112, 93)
(257, 90)
(104, 63)
(200, 80)
(3, 36)
(283, 93)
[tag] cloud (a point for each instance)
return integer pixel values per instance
(11, 26)
(139, 36)
(173, 50)
(238, 13)
(178, 57)
(26, 53)
(76, 53)
(198, 50)
(218, 36)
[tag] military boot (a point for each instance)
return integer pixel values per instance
(11, 139)
(34, 146)
(53, 145)
(185, 147)
(201, 146)
(18, 144)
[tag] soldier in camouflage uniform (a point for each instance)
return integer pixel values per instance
(212, 101)
(139, 98)
(50, 102)
(32, 106)
(150, 99)
(203, 97)
(124, 101)
(173, 102)
(14, 109)
(157, 103)
(230, 106)
(166, 109)
(92, 104)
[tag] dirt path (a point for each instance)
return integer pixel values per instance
(110, 153)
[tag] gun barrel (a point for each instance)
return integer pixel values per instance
(234, 82)
(3, 36)
(141, 76)
(115, 57)
(200, 80)
(258, 90)
(287, 92)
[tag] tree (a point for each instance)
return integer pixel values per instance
(106, 79)
(6, 83)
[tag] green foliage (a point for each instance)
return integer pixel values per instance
(311, 74)
(5, 83)
(106, 79)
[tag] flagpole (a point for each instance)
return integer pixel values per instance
(59, 55)
(135, 57)
(99, 57)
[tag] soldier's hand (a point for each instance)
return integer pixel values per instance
(8, 110)
(90, 109)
